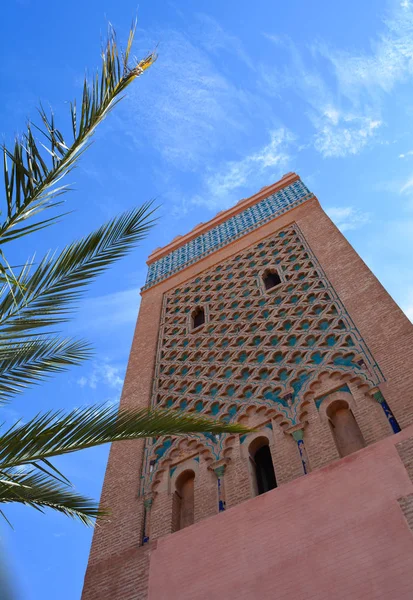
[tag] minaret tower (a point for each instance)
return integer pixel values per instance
(267, 316)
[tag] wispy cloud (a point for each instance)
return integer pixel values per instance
(200, 118)
(215, 40)
(261, 167)
(103, 373)
(188, 108)
(340, 135)
(388, 61)
(406, 154)
(407, 185)
(345, 108)
(347, 217)
(341, 128)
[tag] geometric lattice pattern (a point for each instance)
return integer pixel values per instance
(257, 347)
(224, 233)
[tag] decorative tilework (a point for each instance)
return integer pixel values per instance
(343, 388)
(261, 348)
(387, 411)
(226, 232)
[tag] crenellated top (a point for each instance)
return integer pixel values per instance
(225, 227)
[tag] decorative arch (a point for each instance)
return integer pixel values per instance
(254, 415)
(261, 465)
(340, 397)
(183, 503)
(326, 384)
(324, 379)
(191, 447)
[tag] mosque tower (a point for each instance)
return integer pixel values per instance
(267, 316)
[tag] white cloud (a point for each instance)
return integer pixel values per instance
(340, 135)
(409, 153)
(102, 374)
(407, 185)
(264, 166)
(341, 128)
(388, 62)
(188, 109)
(345, 107)
(347, 217)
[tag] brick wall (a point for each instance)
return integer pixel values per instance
(125, 575)
(384, 327)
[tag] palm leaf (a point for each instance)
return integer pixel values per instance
(40, 491)
(42, 296)
(55, 433)
(30, 361)
(33, 169)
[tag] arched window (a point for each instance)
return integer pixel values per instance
(271, 279)
(346, 432)
(261, 465)
(183, 501)
(198, 317)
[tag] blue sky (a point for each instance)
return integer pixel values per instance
(241, 94)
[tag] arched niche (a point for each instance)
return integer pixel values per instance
(344, 427)
(183, 504)
(261, 466)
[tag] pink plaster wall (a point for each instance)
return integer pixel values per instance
(337, 533)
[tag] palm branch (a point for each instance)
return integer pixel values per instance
(39, 297)
(55, 433)
(43, 296)
(29, 361)
(32, 445)
(33, 169)
(40, 491)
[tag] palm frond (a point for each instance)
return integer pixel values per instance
(30, 361)
(33, 169)
(40, 491)
(55, 433)
(41, 296)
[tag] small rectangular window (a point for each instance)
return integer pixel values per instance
(198, 317)
(271, 279)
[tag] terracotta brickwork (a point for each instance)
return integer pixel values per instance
(281, 359)
(124, 576)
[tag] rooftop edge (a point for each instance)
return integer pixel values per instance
(222, 216)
